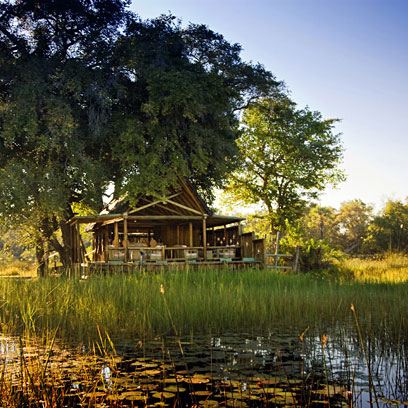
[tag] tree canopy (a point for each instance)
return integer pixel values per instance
(288, 156)
(91, 95)
(388, 231)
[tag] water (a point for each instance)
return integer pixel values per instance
(275, 368)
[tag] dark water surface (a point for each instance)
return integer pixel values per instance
(278, 368)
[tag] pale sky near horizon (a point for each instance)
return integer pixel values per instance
(347, 59)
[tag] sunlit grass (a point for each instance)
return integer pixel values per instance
(137, 306)
(18, 269)
(132, 305)
(391, 269)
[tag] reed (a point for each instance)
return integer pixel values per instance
(105, 310)
(132, 306)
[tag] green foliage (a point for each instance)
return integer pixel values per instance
(345, 228)
(288, 155)
(15, 245)
(92, 96)
(352, 222)
(388, 231)
(315, 253)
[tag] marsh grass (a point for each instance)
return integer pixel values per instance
(392, 268)
(104, 310)
(132, 306)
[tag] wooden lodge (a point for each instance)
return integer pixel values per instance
(178, 229)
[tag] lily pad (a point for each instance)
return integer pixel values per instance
(174, 388)
(236, 403)
(165, 395)
(203, 393)
(208, 403)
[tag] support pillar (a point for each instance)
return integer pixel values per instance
(190, 226)
(116, 236)
(205, 236)
(125, 236)
(106, 243)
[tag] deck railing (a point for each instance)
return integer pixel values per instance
(174, 253)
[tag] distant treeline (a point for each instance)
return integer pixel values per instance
(326, 233)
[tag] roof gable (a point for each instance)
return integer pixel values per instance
(181, 199)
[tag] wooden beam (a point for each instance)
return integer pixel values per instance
(160, 200)
(110, 218)
(166, 217)
(184, 207)
(113, 221)
(172, 210)
(191, 194)
(84, 219)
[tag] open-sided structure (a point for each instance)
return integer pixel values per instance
(178, 228)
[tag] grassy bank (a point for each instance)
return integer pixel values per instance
(133, 306)
(389, 269)
(17, 268)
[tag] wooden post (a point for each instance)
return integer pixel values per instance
(71, 238)
(125, 236)
(78, 234)
(277, 249)
(178, 234)
(205, 236)
(163, 253)
(116, 237)
(190, 226)
(225, 235)
(76, 243)
(296, 262)
(264, 253)
(106, 244)
(240, 228)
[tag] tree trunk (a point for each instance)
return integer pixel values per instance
(67, 241)
(64, 250)
(39, 256)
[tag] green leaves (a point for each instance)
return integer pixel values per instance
(287, 156)
(91, 96)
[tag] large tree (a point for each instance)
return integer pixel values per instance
(92, 96)
(352, 220)
(388, 231)
(288, 156)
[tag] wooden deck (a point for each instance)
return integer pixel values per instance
(135, 267)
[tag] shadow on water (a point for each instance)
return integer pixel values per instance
(276, 369)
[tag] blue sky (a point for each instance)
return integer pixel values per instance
(347, 59)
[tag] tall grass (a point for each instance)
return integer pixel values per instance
(391, 269)
(132, 306)
(17, 268)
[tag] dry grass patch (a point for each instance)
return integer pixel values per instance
(391, 269)
(18, 269)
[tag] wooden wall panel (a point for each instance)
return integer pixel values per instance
(247, 245)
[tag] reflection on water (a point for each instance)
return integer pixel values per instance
(275, 369)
